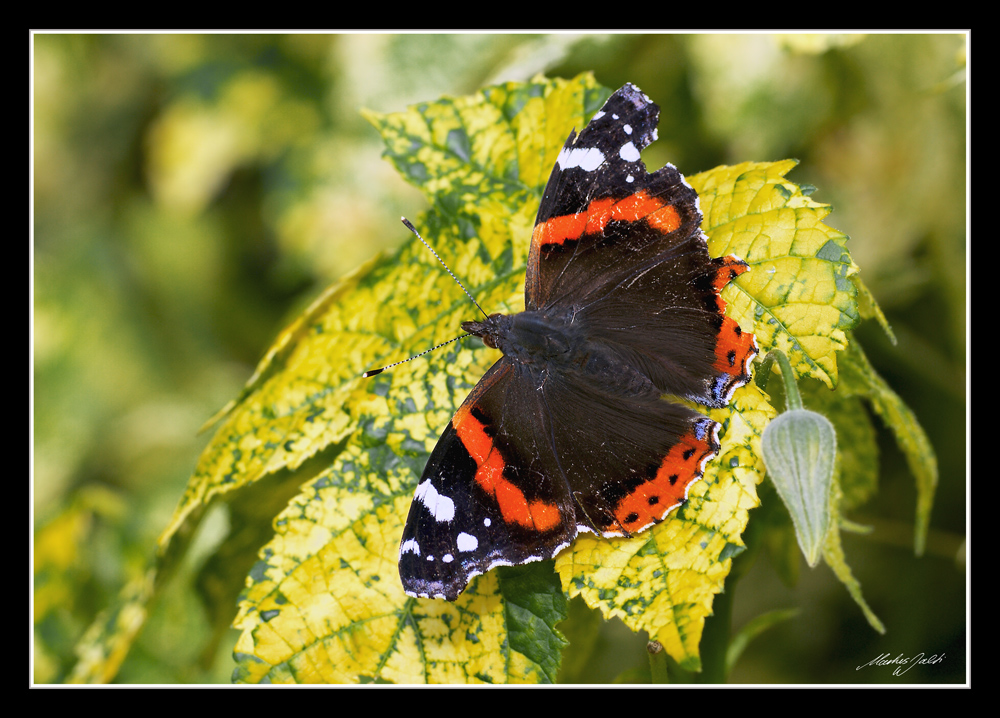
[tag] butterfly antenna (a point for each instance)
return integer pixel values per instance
(409, 226)
(413, 229)
(373, 372)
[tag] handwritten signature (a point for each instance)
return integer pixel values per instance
(903, 663)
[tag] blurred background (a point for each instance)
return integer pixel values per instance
(193, 193)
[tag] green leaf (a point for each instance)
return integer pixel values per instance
(108, 640)
(663, 581)
(482, 160)
(742, 638)
(796, 296)
(861, 380)
(857, 447)
(535, 602)
(324, 603)
(800, 296)
(833, 555)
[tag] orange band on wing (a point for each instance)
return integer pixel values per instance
(514, 505)
(665, 219)
(734, 346)
(595, 218)
(651, 501)
(729, 269)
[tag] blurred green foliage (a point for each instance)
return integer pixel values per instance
(191, 193)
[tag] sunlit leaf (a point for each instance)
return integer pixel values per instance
(324, 603)
(109, 639)
(796, 295)
(663, 581)
(799, 296)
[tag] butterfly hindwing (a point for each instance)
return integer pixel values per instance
(485, 498)
(627, 457)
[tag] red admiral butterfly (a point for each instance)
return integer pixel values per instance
(568, 431)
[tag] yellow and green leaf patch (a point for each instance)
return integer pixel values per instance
(800, 294)
(323, 602)
(326, 584)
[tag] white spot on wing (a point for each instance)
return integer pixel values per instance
(441, 507)
(467, 542)
(586, 158)
(410, 546)
(628, 128)
(628, 152)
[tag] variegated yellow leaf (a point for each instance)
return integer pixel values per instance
(324, 602)
(800, 296)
